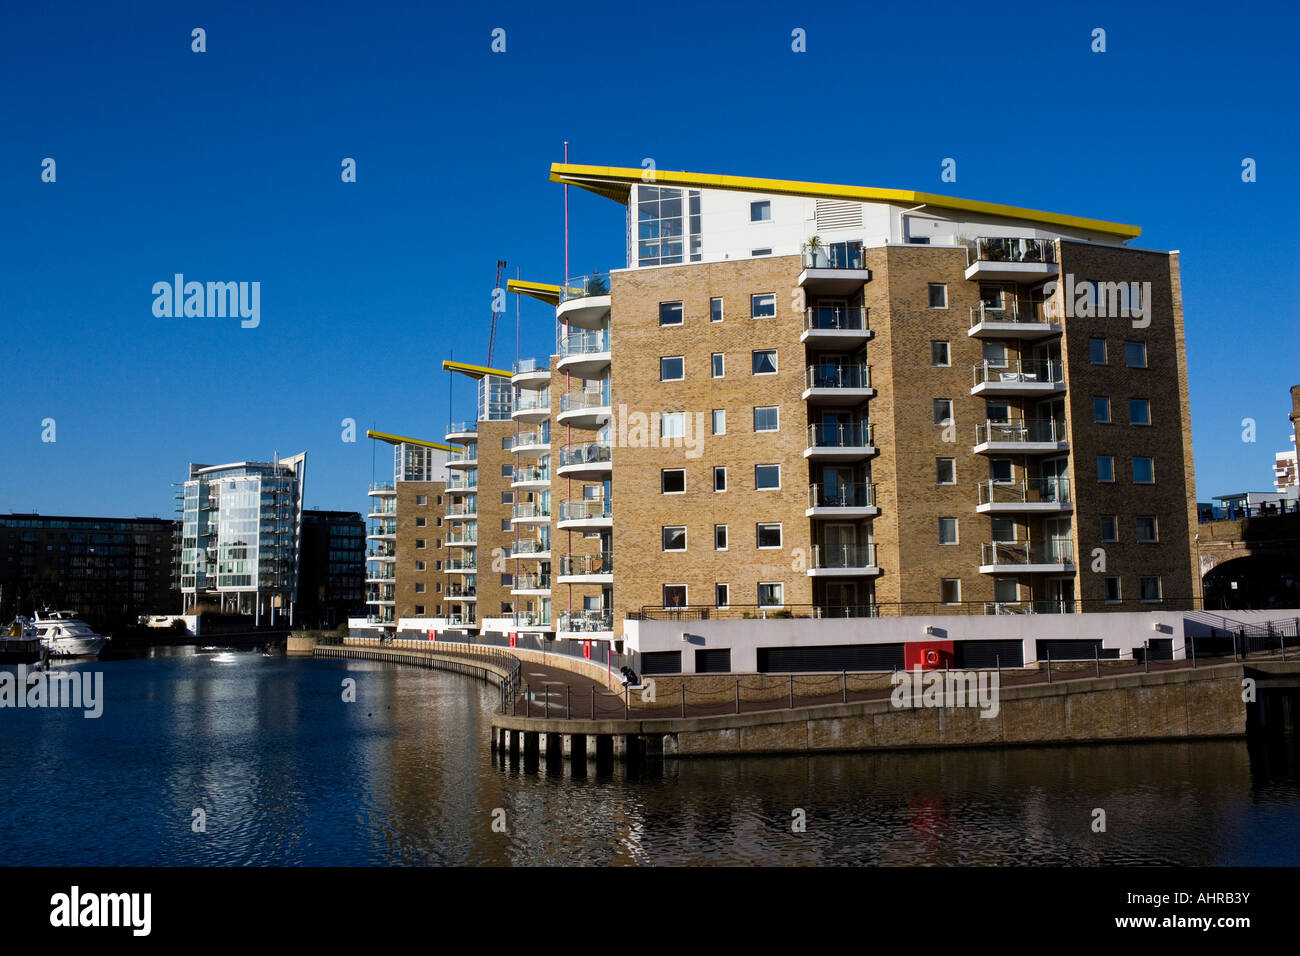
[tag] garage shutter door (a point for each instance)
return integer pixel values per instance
(661, 662)
(978, 655)
(1070, 650)
(842, 657)
(713, 661)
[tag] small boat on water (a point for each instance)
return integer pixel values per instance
(63, 635)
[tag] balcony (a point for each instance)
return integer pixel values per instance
(587, 409)
(1021, 437)
(590, 460)
(466, 457)
(585, 513)
(382, 554)
(1013, 260)
(842, 501)
(531, 514)
(835, 327)
(586, 568)
(462, 431)
(1017, 378)
(531, 549)
(376, 577)
(384, 509)
(379, 489)
(462, 539)
(586, 623)
(840, 442)
(843, 560)
(533, 441)
(466, 509)
(461, 486)
(461, 566)
(531, 582)
(459, 593)
(584, 301)
(532, 406)
(1011, 322)
(839, 268)
(1022, 557)
(584, 354)
(531, 476)
(1059, 606)
(532, 374)
(837, 383)
(1035, 495)
(533, 619)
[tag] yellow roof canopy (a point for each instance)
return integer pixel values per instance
(474, 371)
(399, 440)
(615, 182)
(550, 294)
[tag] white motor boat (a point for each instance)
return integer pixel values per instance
(63, 635)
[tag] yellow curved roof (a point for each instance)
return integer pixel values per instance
(550, 294)
(399, 440)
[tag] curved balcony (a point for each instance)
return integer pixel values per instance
(585, 513)
(840, 442)
(381, 489)
(531, 374)
(1021, 437)
(531, 476)
(466, 510)
(461, 431)
(1011, 322)
(1034, 495)
(837, 383)
(584, 354)
(531, 514)
(380, 577)
(588, 409)
(586, 568)
(1018, 378)
(532, 406)
(531, 549)
(462, 486)
(533, 442)
(584, 301)
(387, 509)
(585, 625)
(586, 461)
(1024, 557)
(842, 501)
(843, 560)
(836, 327)
(466, 457)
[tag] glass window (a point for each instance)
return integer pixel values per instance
(507, 497)
(419, 542)
(721, 595)
(995, 354)
(1004, 529)
(720, 478)
(719, 421)
(1109, 528)
(762, 306)
(1006, 590)
(760, 252)
(1135, 354)
(1097, 351)
(764, 362)
(715, 309)
(672, 481)
(769, 535)
(939, 354)
(1100, 409)
(1111, 590)
(1146, 529)
(419, 587)
(419, 610)
(945, 471)
(672, 425)
(672, 368)
(720, 537)
(947, 530)
(718, 365)
(950, 590)
(942, 411)
(674, 539)
(766, 418)
(771, 595)
(1000, 470)
(1149, 588)
(507, 471)
(419, 565)
(670, 313)
(760, 211)
(1144, 471)
(674, 595)
(767, 477)
(662, 227)
(421, 521)
(938, 295)
(421, 499)
(1139, 411)
(1105, 467)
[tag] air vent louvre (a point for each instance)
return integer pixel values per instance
(838, 214)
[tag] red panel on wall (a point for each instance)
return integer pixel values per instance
(927, 655)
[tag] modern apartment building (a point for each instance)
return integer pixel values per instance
(332, 567)
(406, 574)
(241, 533)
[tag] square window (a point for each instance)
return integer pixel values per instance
(950, 590)
(764, 361)
(720, 478)
(672, 369)
(1101, 409)
(762, 306)
(421, 499)
(1097, 351)
(674, 538)
(947, 530)
(420, 522)
(419, 542)
(670, 313)
(1135, 354)
(1111, 590)
(1000, 470)
(1146, 529)
(760, 211)
(672, 481)
(419, 610)
(1006, 590)
(718, 365)
(942, 411)
(767, 477)
(719, 537)
(1139, 411)
(1105, 467)
(419, 587)
(766, 418)
(1109, 528)
(771, 594)
(719, 421)
(721, 595)
(939, 356)
(507, 497)
(507, 471)
(1149, 589)
(672, 425)
(1004, 529)
(945, 471)
(419, 565)
(769, 536)
(995, 355)
(674, 595)
(938, 295)
(715, 309)
(505, 524)
(1144, 471)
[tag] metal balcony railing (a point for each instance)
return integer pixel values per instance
(588, 398)
(844, 556)
(531, 473)
(589, 454)
(1002, 249)
(532, 511)
(456, 427)
(1018, 371)
(1011, 312)
(838, 375)
(834, 318)
(586, 621)
(572, 564)
(1014, 553)
(1021, 431)
(532, 582)
(836, 255)
(1028, 491)
(856, 435)
(581, 287)
(584, 508)
(842, 496)
(584, 343)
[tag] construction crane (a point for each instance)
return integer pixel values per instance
(492, 332)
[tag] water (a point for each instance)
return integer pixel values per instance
(288, 774)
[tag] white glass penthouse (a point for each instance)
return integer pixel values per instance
(411, 462)
(531, 484)
(241, 529)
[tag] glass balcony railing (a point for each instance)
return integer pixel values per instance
(1013, 372)
(1001, 249)
(531, 473)
(590, 454)
(581, 287)
(539, 401)
(844, 556)
(1034, 313)
(586, 621)
(834, 318)
(458, 540)
(459, 564)
(1021, 431)
(588, 398)
(468, 453)
(838, 375)
(571, 564)
(531, 546)
(584, 508)
(532, 619)
(584, 343)
(532, 365)
(466, 509)
(1013, 553)
(457, 591)
(458, 427)
(842, 496)
(856, 435)
(532, 511)
(1030, 491)
(532, 582)
(375, 486)
(836, 255)
(462, 485)
(533, 437)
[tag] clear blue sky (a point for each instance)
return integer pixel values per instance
(225, 166)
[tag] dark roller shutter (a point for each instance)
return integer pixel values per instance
(661, 662)
(1067, 650)
(979, 655)
(713, 661)
(834, 657)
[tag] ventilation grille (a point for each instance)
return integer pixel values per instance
(838, 214)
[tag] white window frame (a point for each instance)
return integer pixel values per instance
(663, 531)
(753, 302)
(956, 531)
(779, 585)
(775, 408)
(777, 466)
(719, 469)
(669, 358)
(681, 316)
(929, 295)
(719, 417)
(758, 526)
(665, 471)
(754, 353)
(721, 308)
(947, 353)
(718, 365)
